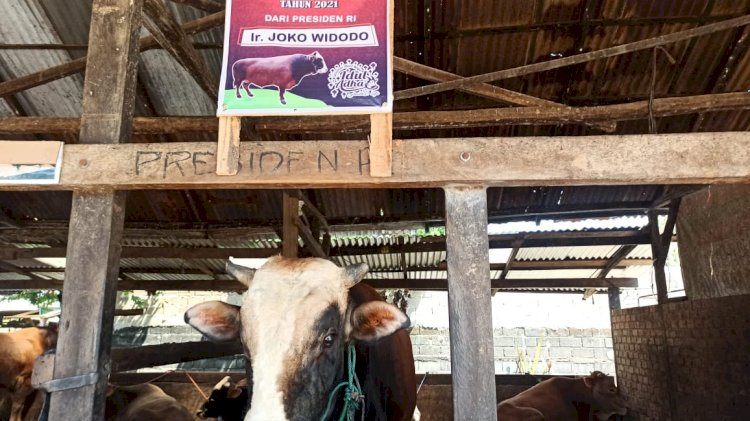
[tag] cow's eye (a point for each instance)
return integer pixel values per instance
(328, 340)
(612, 390)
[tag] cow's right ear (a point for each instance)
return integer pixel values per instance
(591, 380)
(216, 320)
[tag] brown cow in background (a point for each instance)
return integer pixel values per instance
(557, 399)
(18, 351)
(283, 72)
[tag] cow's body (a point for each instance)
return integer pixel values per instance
(283, 72)
(556, 399)
(144, 402)
(18, 351)
(295, 323)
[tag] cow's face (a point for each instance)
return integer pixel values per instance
(318, 63)
(607, 399)
(295, 322)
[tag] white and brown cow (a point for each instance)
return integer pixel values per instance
(18, 351)
(295, 322)
(559, 398)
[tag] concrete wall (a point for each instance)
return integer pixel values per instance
(714, 234)
(686, 360)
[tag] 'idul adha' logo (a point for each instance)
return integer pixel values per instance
(351, 78)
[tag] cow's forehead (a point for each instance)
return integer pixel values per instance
(296, 284)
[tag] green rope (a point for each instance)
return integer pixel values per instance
(353, 396)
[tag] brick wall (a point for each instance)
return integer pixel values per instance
(685, 361)
(714, 231)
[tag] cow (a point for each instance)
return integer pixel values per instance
(18, 351)
(227, 402)
(143, 402)
(296, 321)
(283, 72)
(557, 399)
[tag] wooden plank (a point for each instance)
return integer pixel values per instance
(125, 359)
(228, 150)
(79, 65)
(660, 243)
(381, 144)
(487, 117)
(290, 234)
(169, 34)
(484, 90)
(416, 284)
(97, 218)
(576, 59)
(469, 305)
(691, 158)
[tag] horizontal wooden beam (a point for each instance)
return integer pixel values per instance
(692, 158)
(125, 359)
(662, 107)
(417, 284)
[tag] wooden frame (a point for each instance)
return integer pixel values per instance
(695, 158)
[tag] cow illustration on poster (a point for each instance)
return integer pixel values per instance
(306, 57)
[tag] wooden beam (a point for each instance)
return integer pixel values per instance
(381, 144)
(79, 65)
(662, 107)
(170, 35)
(576, 59)
(469, 306)
(207, 5)
(97, 218)
(660, 243)
(228, 150)
(290, 234)
(126, 359)
(230, 285)
(691, 158)
(613, 261)
(309, 239)
(484, 90)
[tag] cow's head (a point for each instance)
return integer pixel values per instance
(319, 65)
(295, 322)
(607, 399)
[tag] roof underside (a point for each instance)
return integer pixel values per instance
(467, 37)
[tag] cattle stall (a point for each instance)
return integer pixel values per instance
(504, 113)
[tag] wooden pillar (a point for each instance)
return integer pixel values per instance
(660, 243)
(290, 239)
(96, 220)
(469, 305)
(613, 293)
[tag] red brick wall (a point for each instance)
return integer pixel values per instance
(685, 361)
(713, 227)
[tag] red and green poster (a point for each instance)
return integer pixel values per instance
(306, 57)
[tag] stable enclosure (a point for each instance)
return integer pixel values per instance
(566, 115)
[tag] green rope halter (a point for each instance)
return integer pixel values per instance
(353, 396)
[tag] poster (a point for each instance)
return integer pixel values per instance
(30, 162)
(286, 57)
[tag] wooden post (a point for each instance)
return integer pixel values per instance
(469, 306)
(613, 294)
(660, 243)
(96, 220)
(290, 241)
(228, 151)
(381, 144)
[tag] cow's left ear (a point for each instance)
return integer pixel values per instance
(376, 319)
